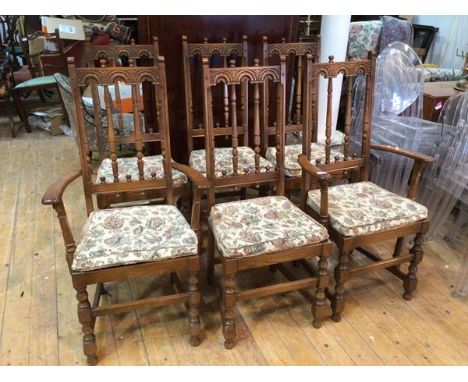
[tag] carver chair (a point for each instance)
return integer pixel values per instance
(119, 244)
(359, 213)
(42, 64)
(265, 231)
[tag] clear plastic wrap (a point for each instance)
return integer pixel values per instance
(398, 100)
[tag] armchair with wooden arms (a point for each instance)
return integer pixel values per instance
(360, 213)
(265, 231)
(124, 243)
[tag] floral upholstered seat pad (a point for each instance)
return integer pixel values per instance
(363, 36)
(360, 208)
(129, 166)
(256, 226)
(223, 161)
(291, 152)
(133, 235)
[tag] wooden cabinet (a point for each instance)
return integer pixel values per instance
(435, 95)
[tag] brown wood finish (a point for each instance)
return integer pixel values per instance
(88, 312)
(131, 55)
(255, 79)
(222, 54)
(273, 330)
(297, 53)
(353, 169)
(170, 30)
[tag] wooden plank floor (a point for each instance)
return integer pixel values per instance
(39, 326)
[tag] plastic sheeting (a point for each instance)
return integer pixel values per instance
(398, 101)
(446, 181)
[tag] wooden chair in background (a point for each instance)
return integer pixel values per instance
(42, 64)
(222, 54)
(238, 166)
(359, 213)
(118, 244)
(297, 53)
(260, 232)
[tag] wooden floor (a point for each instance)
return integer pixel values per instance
(39, 325)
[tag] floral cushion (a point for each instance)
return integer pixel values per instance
(442, 74)
(223, 161)
(291, 166)
(359, 208)
(133, 235)
(363, 36)
(151, 164)
(255, 226)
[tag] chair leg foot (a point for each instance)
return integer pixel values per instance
(336, 317)
(407, 296)
(228, 344)
(195, 340)
(91, 360)
(317, 323)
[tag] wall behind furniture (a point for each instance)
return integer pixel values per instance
(453, 34)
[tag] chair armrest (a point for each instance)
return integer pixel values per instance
(53, 196)
(407, 153)
(54, 193)
(195, 177)
(323, 177)
(315, 171)
(419, 161)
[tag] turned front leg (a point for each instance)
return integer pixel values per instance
(319, 307)
(87, 323)
(229, 308)
(411, 281)
(341, 276)
(194, 303)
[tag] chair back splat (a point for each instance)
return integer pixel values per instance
(223, 54)
(295, 53)
(348, 165)
(121, 138)
(246, 167)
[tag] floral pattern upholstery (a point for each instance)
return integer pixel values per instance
(363, 36)
(360, 208)
(291, 152)
(223, 161)
(129, 166)
(442, 74)
(262, 225)
(394, 29)
(133, 235)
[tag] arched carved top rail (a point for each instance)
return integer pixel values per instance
(222, 49)
(348, 68)
(234, 76)
(108, 76)
(296, 48)
(135, 51)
